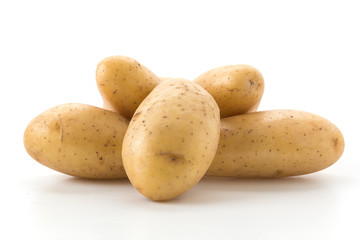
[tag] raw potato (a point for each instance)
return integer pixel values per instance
(124, 83)
(108, 107)
(237, 89)
(276, 143)
(171, 140)
(78, 140)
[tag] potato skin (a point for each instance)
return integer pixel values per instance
(79, 140)
(237, 89)
(171, 140)
(273, 144)
(124, 83)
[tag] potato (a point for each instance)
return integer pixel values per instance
(106, 106)
(110, 108)
(236, 89)
(278, 143)
(171, 140)
(124, 83)
(78, 140)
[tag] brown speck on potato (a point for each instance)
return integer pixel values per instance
(277, 173)
(250, 131)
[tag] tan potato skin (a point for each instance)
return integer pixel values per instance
(79, 140)
(124, 83)
(171, 140)
(278, 143)
(237, 89)
(110, 108)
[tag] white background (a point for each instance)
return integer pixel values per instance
(308, 52)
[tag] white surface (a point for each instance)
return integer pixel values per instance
(307, 51)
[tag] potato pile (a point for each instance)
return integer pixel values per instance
(165, 134)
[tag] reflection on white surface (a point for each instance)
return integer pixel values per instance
(62, 207)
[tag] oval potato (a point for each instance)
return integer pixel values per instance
(237, 89)
(276, 143)
(171, 140)
(124, 83)
(78, 140)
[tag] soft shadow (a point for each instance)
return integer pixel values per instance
(223, 189)
(62, 184)
(96, 182)
(208, 190)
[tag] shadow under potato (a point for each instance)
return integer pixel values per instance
(209, 189)
(220, 189)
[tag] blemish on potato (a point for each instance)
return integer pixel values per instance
(174, 157)
(277, 173)
(135, 116)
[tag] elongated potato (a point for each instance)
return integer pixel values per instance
(109, 107)
(78, 140)
(276, 143)
(171, 140)
(124, 83)
(236, 89)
